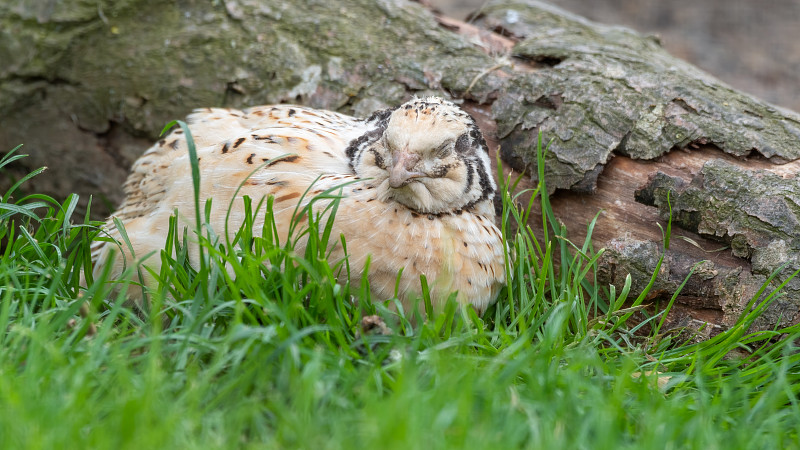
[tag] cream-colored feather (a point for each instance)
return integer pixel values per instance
(458, 248)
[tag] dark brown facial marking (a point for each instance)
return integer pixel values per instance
(463, 144)
(226, 147)
(291, 158)
(378, 158)
(250, 158)
(239, 142)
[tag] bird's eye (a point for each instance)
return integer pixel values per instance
(444, 149)
(385, 142)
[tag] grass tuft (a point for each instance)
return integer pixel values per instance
(262, 346)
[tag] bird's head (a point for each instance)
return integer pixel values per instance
(427, 154)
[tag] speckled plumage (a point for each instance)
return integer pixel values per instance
(421, 197)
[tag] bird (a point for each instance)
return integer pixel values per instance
(415, 182)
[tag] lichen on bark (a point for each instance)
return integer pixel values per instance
(618, 92)
(87, 85)
(77, 72)
(755, 212)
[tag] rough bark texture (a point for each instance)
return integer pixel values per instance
(754, 212)
(88, 85)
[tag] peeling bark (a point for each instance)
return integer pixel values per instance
(88, 85)
(600, 89)
(755, 212)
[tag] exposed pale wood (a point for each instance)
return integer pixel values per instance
(629, 231)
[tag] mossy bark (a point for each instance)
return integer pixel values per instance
(598, 90)
(756, 213)
(86, 86)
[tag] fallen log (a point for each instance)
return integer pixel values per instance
(88, 87)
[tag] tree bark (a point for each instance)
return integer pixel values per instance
(88, 85)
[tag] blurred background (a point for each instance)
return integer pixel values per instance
(753, 45)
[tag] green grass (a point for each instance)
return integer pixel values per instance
(274, 357)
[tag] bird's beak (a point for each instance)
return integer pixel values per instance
(402, 166)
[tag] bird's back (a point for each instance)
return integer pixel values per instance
(281, 151)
